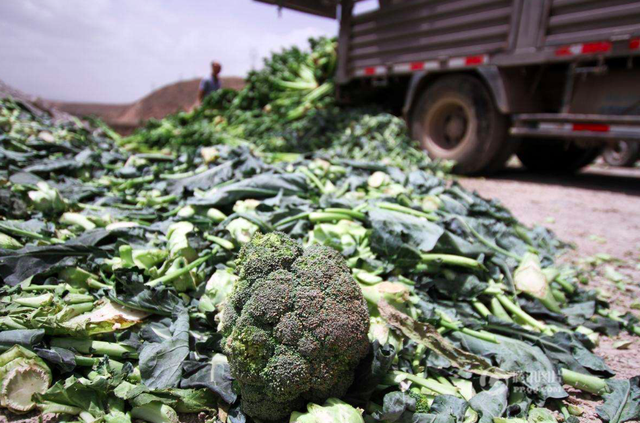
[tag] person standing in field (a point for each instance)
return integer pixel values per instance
(211, 83)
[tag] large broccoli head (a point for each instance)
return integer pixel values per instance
(296, 326)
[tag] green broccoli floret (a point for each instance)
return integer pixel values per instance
(296, 326)
(423, 402)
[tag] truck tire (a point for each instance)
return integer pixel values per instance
(622, 154)
(544, 155)
(456, 119)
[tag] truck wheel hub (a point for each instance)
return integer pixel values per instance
(447, 124)
(455, 127)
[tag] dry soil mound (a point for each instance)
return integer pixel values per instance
(179, 96)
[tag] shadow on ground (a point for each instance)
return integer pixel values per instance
(618, 180)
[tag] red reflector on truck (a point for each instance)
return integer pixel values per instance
(475, 60)
(601, 47)
(593, 127)
(371, 71)
(586, 48)
(415, 66)
(468, 61)
(564, 51)
(634, 44)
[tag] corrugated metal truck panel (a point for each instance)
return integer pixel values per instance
(573, 21)
(422, 28)
(412, 10)
(419, 30)
(411, 35)
(435, 42)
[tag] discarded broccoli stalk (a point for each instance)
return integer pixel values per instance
(9, 243)
(501, 305)
(89, 346)
(216, 215)
(82, 361)
(530, 279)
(35, 302)
(449, 324)
(452, 260)
(516, 311)
(352, 213)
(587, 383)
(313, 178)
(406, 210)
(78, 298)
(611, 314)
(498, 310)
(395, 377)
(227, 245)
(486, 242)
(332, 411)
(296, 325)
(155, 412)
(481, 309)
(143, 259)
(178, 273)
(177, 236)
(327, 216)
(567, 286)
(79, 278)
(13, 230)
(217, 290)
(77, 219)
(380, 331)
(22, 374)
(396, 294)
(47, 199)
(282, 223)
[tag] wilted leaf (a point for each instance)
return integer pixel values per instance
(490, 403)
(428, 336)
(161, 363)
(214, 375)
(622, 404)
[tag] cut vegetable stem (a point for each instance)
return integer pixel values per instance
(521, 314)
(175, 275)
(89, 346)
(452, 260)
(587, 383)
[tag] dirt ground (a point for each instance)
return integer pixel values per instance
(598, 210)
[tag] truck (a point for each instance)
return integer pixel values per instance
(552, 81)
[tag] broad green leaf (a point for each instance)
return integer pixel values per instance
(490, 403)
(161, 363)
(622, 404)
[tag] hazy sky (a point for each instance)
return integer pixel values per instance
(119, 50)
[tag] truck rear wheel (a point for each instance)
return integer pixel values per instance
(456, 119)
(622, 153)
(544, 155)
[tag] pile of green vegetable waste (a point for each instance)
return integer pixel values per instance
(271, 257)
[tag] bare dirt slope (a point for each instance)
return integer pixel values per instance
(598, 211)
(180, 96)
